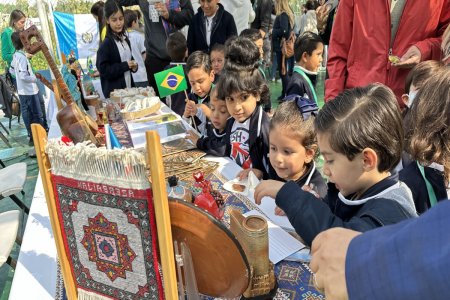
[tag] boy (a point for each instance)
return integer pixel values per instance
(213, 140)
(177, 49)
(137, 47)
(360, 135)
(308, 49)
(26, 87)
(217, 60)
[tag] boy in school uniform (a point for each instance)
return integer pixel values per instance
(137, 47)
(360, 135)
(177, 49)
(308, 50)
(26, 87)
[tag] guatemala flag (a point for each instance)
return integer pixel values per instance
(78, 33)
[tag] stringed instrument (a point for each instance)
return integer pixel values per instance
(74, 123)
(44, 81)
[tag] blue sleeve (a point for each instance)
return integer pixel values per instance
(408, 260)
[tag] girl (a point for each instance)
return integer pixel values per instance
(114, 58)
(429, 143)
(293, 145)
(282, 27)
(201, 78)
(245, 91)
(359, 151)
(97, 13)
(16, 23)
(217, 60)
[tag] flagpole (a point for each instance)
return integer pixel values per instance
(192, 117)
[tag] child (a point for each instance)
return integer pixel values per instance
(308, 49)
(245, 92)
(213, 140)
(137, 47)
(177, 49)
(429, 138)
(255, 35)
(26, 86)
(360, 136)
(211, 25)
(201, 78)
(293, 145)
(114, 57)
(217, 60)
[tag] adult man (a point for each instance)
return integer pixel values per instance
(366, 33)
(161, 19)
(408, 260)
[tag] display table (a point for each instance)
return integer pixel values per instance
(36, 274)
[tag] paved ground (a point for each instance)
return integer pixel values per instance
(19, 141)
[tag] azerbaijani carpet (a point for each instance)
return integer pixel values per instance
(105, 210)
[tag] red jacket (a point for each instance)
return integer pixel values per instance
(360, 42)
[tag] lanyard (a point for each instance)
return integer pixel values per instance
(300, 71)
(430, 190)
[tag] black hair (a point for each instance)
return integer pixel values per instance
(307, 42)
(290, 118)
(199, 59)
(241, 73)
(130, 17)
(218, 47)
(15, 16)
(310, 5)
(72, 60)
(15, 39)
(251, 33)
(364, 117)
(112, 7)
(176, 46)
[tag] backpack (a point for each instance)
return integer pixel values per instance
(305, 105)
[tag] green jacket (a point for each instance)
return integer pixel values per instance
(7, 46)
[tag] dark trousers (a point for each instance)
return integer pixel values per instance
(154, 65)
(31, 111)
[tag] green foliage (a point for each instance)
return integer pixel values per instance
(67, 6)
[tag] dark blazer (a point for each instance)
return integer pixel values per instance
(298, 86)
(111, 67)
(263, 11)
(258, 141)
(309, 216)
(413, 178)
(409, 260)
(223, 27)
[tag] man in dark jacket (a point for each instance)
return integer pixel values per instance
(169, 18)
(211, 25)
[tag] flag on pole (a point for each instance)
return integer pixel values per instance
(77, 32)
(171, 81)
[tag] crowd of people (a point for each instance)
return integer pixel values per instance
(384, 131)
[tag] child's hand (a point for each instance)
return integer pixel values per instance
(190, 109)
(267, 188)
(192, 136)
(279, 211)
(206, 110)
(244, 174)
(132, 65)
(310, 188)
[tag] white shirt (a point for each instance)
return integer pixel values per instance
(209, 26)
(26, 80)
(137, 49)
(125, 56)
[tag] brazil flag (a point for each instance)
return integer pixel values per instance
(170, 81)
